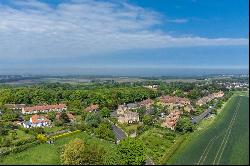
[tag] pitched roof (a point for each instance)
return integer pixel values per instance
(171, 99)
(44, 107)
(14, 106)
(71, 117)
(146, 102)
(91, 108)
(38, 119)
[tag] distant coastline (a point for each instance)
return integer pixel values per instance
(137, 72)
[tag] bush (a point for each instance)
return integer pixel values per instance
(41, 138)
(65, 134)
(73, 152)
(132, 151)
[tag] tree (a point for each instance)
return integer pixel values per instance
(76, 153)
(51, 115)
(93, 119)
(104, 131)
(58, 123)
(13, 134)
(38, 130)
(64, 117)
(73, 152)
(93, 155)
(184, 125)
(26, 117)
(3, 131)
(147, 120)
(141, 111)
(83, 115)
(132, 151)
(105, 112)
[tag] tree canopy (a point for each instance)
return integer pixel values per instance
(132, 151)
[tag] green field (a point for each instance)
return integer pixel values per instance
(49, 154)
(226, 141)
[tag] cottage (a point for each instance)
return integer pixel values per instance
(146, 103)
(44, 109)
(208, 98)
(92, 108)
(171, 120)
(37, 121)
(132, 105)
(126, 116)
(174, 101)
(15, 106)
(189, 108)
(121, 109)
(70, 116)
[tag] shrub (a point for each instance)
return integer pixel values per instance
(41, 138)
(73, 152)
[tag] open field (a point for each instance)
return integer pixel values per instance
(49, 154)
(226, 141)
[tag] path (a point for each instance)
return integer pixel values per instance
(197, 119)
(120, 134)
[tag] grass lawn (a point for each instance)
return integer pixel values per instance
(129, 128)
(49, 154)
(22, 135)
(53, 129)
(226, 141)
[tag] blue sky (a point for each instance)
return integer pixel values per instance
(38, 35)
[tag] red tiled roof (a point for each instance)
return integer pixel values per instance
(146, 102)
(91, 108)
(44, 107)
(68, 114)
(170, 99)
(38, 119)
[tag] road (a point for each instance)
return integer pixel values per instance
(197, 119)
(119, 133)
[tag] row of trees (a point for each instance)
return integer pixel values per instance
(75, 99)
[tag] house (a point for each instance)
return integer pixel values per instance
(174, 101)
(128, 117)
(121, 109)
(208, 98)
(132, 105)
(171, 120)
(37, 121)
(44, 109)
(189, 108)
(146, 103)
(219, 94)
(129, 106)
(70, 116)
(15, 106)
(151, 86)
(92, 108)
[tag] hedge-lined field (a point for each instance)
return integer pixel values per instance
(226, 141)
(50, 153)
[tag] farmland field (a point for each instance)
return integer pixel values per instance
(226, 141)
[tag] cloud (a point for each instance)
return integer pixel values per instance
(31, 28)
(178, 20)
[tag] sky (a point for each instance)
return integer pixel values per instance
(116, 36)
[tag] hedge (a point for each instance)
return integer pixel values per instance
(65, 134)
(15, 149)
